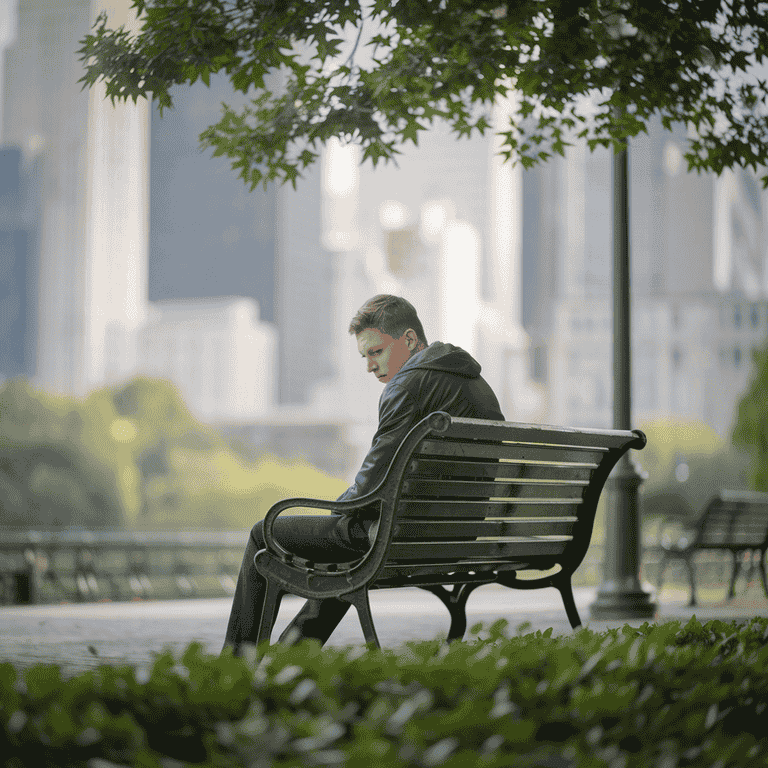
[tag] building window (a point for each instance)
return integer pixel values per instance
(737, 317)
(677, 357)
(539, 364)
(400, 245)
(755, 316)
(737, 357)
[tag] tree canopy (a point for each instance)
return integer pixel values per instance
(379, 72)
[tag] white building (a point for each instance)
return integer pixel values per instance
(216, 351)
(698, 251)
(442, 229)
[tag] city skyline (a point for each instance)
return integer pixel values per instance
(123, 213)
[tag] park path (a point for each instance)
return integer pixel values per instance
(82, 636)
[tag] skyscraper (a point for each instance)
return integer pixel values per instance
(19, 217)
(209, 235)
(93, 195)
(698, 256)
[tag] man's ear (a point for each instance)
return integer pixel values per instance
(411, 339)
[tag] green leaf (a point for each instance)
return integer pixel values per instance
(411, 132)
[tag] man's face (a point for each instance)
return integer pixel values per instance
(384, 354)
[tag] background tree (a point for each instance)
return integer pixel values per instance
(59, 465)
(379, 72)
(687, 463)
(751, 429)
(133, 456)
(189, 476)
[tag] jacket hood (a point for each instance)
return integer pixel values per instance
(443, 357)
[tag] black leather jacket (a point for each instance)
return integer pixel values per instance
(439, 378)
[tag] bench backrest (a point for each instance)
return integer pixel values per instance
(486, 492)
(735, 519)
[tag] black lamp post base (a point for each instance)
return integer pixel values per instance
(612, 605)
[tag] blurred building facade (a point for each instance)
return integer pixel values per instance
(85, 252)
(698, 250)
(19, 221)
(217, 351)
(209, 235)
(442, 229)
(93, 194)
(124, 249)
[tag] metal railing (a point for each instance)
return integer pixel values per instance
(87, 565)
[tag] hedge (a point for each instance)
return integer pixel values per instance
(658, 695)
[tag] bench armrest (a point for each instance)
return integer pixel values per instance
(279, 507)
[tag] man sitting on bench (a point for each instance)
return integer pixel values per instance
(419, 379)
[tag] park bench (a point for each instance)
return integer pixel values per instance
(732, 521)
(465, 502)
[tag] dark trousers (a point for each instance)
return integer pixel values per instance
(322, 538)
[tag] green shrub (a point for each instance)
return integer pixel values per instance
(667, 695)
(133, 456)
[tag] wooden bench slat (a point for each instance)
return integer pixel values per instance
(480, 450)
(482, 528)
(452, 571)
(521, 547)
(465, 564)
(460, 468)
(521, 507)
(539, 433)
(449, 570)
(573, 489)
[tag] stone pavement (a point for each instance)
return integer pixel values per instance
(82, 636)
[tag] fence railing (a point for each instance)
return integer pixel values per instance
(88, 566)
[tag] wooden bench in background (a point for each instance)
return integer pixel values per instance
(732, 521)
(465, 502)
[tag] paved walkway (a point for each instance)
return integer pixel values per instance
(79, 637)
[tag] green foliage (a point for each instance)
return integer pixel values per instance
(692, 695)
(707, 463)
(379, 73)
(58, 462)
(751, 429)
(133, 455)
(191, 477)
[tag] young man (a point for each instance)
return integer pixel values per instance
(419, 379)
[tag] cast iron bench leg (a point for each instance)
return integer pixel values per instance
(456, 603)
(736, 567)
(662, 568)
(359, 598)
(272, 599)
(761, 569)
(566, 592)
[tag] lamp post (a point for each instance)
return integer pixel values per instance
(620, 594)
